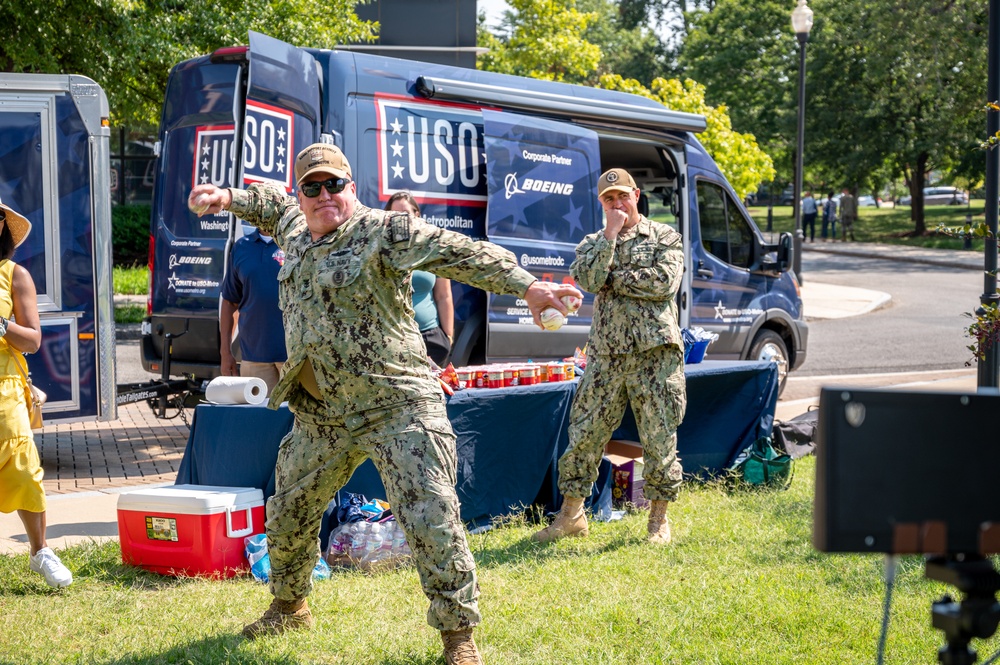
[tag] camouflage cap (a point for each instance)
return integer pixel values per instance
(321, 158)
(617, 180)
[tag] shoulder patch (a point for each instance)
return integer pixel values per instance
(400, 227)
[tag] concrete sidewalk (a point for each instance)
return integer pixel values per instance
(87, 465)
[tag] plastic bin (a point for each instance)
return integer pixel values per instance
(696, 352)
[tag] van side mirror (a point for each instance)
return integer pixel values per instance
(778, 257)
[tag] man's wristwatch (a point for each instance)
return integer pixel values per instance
(3, 326)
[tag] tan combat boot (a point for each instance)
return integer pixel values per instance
(658, 527)
(282, 615)
(460, 648)
(571, 521)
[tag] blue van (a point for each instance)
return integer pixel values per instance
(508, 159)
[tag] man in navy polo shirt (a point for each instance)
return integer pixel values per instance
(251, 289)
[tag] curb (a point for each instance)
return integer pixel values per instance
(900, 257)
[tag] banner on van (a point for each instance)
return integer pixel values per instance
(430, 149)
(542, 179)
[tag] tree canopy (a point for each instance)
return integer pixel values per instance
(129, 46)
(892, 88)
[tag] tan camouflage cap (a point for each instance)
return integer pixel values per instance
(321, 158)
(617, 180)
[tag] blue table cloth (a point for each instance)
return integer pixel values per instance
(509, 440)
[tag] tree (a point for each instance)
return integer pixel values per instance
(129, 47)
(892, 87)
(545, 41)
(739, 157)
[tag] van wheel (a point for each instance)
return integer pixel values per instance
(768, 345)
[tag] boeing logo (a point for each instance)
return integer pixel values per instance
(533, 185)
(510, 185)
(173, 262)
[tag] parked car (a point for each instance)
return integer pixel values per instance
(867, 202)
(935, 196)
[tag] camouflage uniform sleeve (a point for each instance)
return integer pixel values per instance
(594, 257)
(658, 281)
(413, 244)
(264, 206)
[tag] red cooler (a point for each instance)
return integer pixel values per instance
(189, 529)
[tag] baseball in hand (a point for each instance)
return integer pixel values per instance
(572, 303)
(201, 204)
(552, 319)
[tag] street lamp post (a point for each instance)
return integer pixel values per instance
(988, 370)
(802, 21)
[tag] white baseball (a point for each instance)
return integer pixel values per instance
(572, 303)
(201, 204)
(552, 319)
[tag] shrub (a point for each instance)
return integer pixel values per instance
(130, 234)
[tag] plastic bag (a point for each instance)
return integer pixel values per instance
(369, 545)
(255, 547)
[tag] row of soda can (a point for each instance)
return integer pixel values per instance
(506, 375)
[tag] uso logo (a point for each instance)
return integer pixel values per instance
(213, 155)
(433, 150)
(267, 141)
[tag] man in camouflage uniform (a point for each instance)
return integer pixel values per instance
(634, 354)
(358, 382)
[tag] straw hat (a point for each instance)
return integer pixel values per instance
(19, 226)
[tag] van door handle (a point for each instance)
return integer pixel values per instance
(703, 272)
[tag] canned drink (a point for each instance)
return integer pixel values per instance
(557, 372)
(494, 378)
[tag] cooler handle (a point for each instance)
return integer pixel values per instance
(240, 532)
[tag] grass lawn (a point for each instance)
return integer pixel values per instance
(130, 281)
(890, 225)
(741, 585)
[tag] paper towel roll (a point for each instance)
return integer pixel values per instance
(236, 390)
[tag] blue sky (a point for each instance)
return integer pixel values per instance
(494, 10)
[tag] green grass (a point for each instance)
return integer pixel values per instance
(890, 225)
(129, 313)
(741, 584)
(130, 281)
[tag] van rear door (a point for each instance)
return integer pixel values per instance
(541, 183)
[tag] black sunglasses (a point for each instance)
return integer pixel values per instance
(334, 186)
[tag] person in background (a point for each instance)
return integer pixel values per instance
(250, 295)
(635, 355)
(829, 217)
(848, 213)
(809, 212)
(358, 382)
(20, 468)
(432, 305)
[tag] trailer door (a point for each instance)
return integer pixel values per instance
(542, 183)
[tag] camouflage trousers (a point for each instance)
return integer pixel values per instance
(653, 382)
(413, 448)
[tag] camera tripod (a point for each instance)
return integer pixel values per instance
(978, 613)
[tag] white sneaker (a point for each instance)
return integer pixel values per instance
(48, 564)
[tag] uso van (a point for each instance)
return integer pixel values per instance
(508, 159)
(55, 170)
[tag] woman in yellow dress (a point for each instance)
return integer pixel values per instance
(20, 468)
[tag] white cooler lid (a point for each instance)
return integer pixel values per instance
(190, 499)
